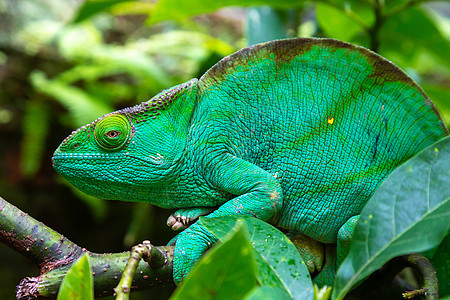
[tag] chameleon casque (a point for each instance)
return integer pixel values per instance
(297, 132)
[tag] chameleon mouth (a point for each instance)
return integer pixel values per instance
(85, 155)
(61, 159)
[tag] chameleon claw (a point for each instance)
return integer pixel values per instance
(183, 218)
(178, 222)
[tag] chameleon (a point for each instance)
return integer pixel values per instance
(297, 132)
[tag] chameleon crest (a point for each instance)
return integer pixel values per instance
(296, 132)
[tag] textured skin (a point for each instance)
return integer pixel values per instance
(297, 132)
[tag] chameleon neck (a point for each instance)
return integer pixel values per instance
(180, 185)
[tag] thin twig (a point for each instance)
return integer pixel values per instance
(430, 286)
(145, 251)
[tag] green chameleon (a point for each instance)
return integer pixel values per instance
(297, 132)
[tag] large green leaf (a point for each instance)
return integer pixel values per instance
(278, 261)
(227, 271)
(78, 283)
(408, 213)
(182, 9)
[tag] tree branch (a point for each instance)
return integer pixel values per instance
(54, 254)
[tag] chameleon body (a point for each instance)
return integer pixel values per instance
(296, 132)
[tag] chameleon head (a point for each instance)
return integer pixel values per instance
(130, 154)
(109, 159)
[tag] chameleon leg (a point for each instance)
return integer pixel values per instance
(258, 195)
(344, 238)
(319, 258)
(329, 268)
(311, 251)
(182, 218)
(323, 259)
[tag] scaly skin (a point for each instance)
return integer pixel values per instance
(297, 132)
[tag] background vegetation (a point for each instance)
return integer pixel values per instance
(65, 63)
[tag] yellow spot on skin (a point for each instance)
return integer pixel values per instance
(330, 120)
(274, 195)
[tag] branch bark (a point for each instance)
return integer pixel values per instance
(54, 254)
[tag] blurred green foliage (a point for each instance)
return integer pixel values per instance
(66, 63)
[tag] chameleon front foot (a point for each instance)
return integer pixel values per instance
(190, 246)
(183, 218)
(178, 222)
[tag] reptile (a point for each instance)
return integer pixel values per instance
(297, 132)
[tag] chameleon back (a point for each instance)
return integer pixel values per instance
(328, 119)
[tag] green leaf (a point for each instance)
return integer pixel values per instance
(322, 293)
(361, 12)
(35, 128)
(336, 24)
(112, 59)
(132, 8)
(408, 213)
(93, 7)
(266, 292)
(73, 40)
(441, 263)
(263, 23)
(78, 283)
(182, 9)
(440, 96)
(227, 271)
(412, 32)
(37, 35)
(399, 5)
(82, 107)
(116, 7)
(278, 261)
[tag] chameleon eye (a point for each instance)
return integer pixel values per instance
(112, 132)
